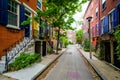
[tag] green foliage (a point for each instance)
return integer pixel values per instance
(50, 51)
(59, 48)
(100, 50)
(86, 44)
(64, 39)
(60, 13)
(70, 42)
(24, 60)
(117, 37)
(79, 36)
(28, 21)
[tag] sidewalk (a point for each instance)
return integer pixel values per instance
(105, 70)
(29, 73)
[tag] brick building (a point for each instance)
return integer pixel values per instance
(105, 17)
(12, 13)
(15, 36)
(71, 36)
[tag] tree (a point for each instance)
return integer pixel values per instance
(59, 14)
(64, 39)
(117, 37)
(79, 36)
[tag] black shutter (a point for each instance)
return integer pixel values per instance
(22, 16)
(4, 12)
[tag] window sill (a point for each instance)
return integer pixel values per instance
(13, 27)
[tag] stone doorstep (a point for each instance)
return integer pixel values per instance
(3, 77)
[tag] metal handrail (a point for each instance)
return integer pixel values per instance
(11, 54)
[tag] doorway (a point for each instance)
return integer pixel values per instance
(107, 52)
(27, 29)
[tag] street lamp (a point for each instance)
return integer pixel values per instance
(89, 19)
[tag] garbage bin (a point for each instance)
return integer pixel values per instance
(38, 47)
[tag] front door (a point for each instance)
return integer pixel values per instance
(107, 52)
(27, 27)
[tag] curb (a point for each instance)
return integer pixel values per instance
(95, 69)
(34, 78)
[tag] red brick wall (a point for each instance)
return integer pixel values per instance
(110, 5)
(8, 37)
(91, 10)
(31, 3)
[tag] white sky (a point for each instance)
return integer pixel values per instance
(79, 15)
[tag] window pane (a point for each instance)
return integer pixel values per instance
(103, 1)
(39, 2)
(12, 13)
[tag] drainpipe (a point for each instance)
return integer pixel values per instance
(99, 18)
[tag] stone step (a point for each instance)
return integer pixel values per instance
(2, 66)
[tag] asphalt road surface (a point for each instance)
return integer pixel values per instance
(70, 67)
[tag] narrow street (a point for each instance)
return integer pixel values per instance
(70, 67)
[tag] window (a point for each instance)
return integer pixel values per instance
(12, 14)
(110, 17)
(97, 29)
(93, 32)
(39, 4)
(96, 11)
(102, 25)
(103, 5)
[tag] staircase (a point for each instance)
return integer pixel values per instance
(13, 53)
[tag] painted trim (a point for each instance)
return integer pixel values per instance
(12, 26)
(18, 20)
(18, 1)
(41, 6)
(108, 13)
(111, 11)
(31, 21)
(30, 9)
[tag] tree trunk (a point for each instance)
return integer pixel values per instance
(58, 40)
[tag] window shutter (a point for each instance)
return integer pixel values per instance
(106, 24)
(101, 27)
(115, 18)
(3, 12)
(22, 16)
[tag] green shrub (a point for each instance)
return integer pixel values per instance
(86, 45)
(50, 51)
(59, 48)
(23, 61)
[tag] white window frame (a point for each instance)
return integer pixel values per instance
(40, 1)
(96, 11)
(103, 1)
(13, 26)
(31, 20)
(110, 17)
(29, 9)
(97, 29)
(102, 23)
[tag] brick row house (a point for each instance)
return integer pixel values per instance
(71, 36)
(15, 36)
(105, 18)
